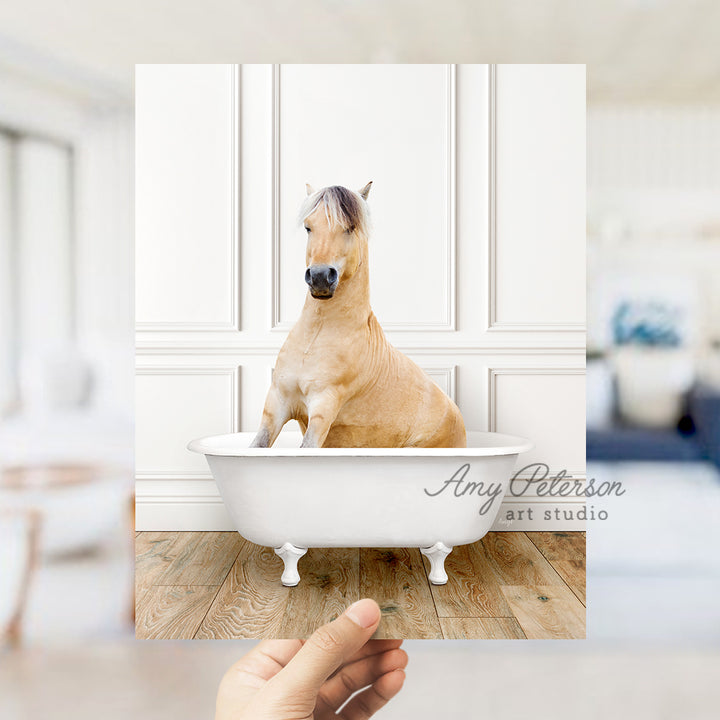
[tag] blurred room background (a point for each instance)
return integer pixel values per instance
(66, 350)
(653, 366)
(66, 392)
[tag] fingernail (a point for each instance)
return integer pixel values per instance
(364, 613)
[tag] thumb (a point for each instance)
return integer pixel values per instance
(327, 649)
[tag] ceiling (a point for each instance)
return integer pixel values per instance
(637, 51)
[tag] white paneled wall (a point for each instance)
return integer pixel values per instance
(477, 253)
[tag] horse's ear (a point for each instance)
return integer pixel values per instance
(310, 189)
(365, 191)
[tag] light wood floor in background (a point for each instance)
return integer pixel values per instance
(216, 585)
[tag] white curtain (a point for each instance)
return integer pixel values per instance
(37, 269)
(7, 317)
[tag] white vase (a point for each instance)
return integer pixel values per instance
(652, 383)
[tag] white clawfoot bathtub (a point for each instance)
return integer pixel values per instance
(293, 498)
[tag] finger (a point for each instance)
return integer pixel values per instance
(365, 704)
(265, 661)
(374, 647)
(279, 651)
(327, 649)
(358, 675)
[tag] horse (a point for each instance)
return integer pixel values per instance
(337, 374)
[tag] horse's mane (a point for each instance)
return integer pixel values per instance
(343, 207)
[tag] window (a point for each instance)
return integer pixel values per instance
(37, 268)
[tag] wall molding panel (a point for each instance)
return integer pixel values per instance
(448, 323)
(251, 348)
(232, 323)
(446, 379)
(232, 373)
(494, 324)
(494, 373)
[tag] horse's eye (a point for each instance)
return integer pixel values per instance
(307, 228)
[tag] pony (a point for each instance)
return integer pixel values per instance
(337, 374)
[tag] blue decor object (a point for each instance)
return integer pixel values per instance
(651, 324)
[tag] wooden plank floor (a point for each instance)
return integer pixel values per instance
(509, 585)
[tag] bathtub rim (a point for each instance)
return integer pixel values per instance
(229, 445)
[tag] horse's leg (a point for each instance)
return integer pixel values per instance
(275, 414)
(322, 411)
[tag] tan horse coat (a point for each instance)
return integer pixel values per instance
(338, 375)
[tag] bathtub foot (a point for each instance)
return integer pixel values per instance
(290, 556)
(437, 554)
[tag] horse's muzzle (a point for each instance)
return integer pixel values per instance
(322, 280)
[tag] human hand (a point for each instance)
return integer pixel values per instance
(312, 679)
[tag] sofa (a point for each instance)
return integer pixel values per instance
(696, 437)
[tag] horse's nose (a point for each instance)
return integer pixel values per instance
(322, 280)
